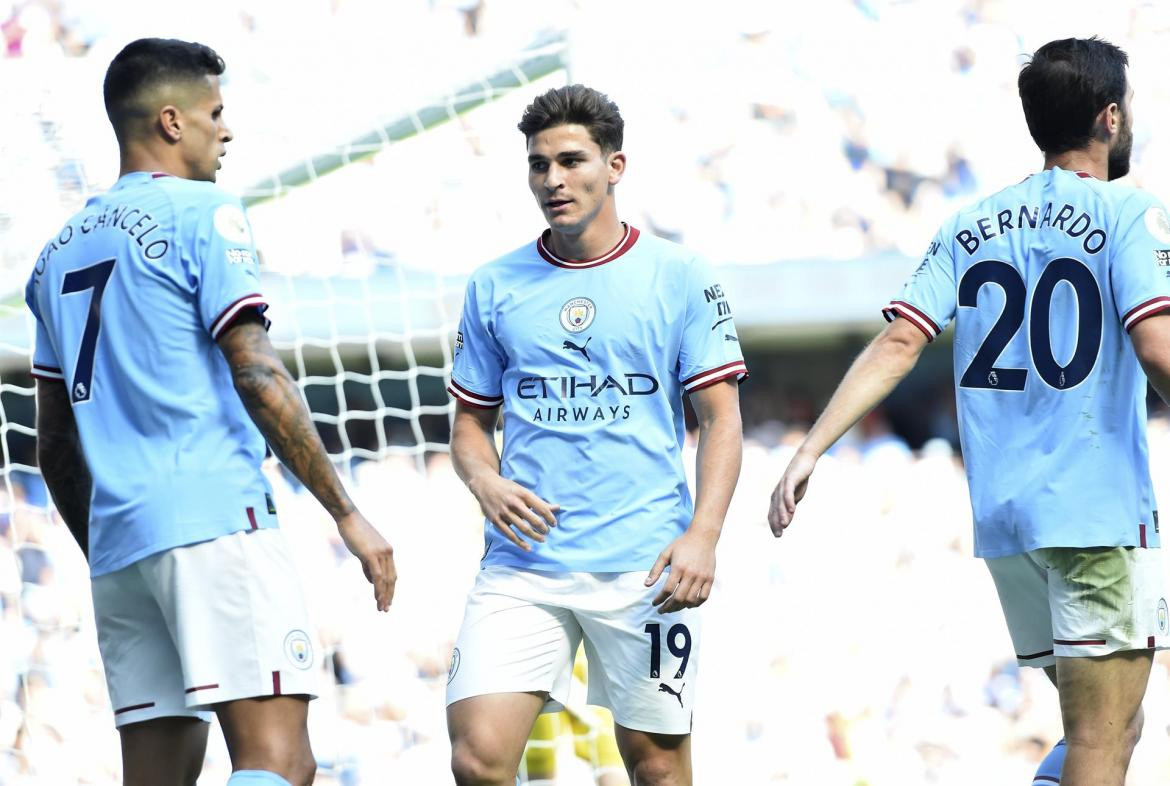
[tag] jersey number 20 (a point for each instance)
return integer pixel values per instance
(983, 373)
(93, 277)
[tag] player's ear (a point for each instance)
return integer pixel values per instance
(170, 121)
(617, 167)
(1108, 122)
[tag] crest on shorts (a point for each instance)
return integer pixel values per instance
(299, 649)
(454, 665)
(577, 314)
(1163, 617)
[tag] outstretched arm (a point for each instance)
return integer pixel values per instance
(62, 463)
(510, 507)
(691, 556)
(274, 402)
(873, 375)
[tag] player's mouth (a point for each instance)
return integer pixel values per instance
(558, 205)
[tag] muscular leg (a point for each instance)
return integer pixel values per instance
(655, 759)
(488, 735)
(1100, 701)
(163, 751)
(269, 734)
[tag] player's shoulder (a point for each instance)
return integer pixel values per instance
(668, 253)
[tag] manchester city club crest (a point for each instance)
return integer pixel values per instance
(454, 665)
(577, 314)
(299, 649)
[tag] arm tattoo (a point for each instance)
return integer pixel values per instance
(274, 402)
(62, 463)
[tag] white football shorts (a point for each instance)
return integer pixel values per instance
(1082, 602)
(193, 626)
(521, 631)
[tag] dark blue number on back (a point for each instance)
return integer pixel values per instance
(982, 371)
(93, 277)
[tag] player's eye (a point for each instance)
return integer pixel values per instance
(539, 166)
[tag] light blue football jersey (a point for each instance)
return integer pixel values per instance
(590, 360)
(1044, 280)
(129, 298)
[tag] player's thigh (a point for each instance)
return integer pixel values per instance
(1101, 696)
(1022, 585)
(514, 638)
(142, 663)
(488, 732)
(643, 666)
(267, 733)
(240, 622)
(655, 758)
(163, 751)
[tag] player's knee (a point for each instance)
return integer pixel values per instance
(471, 766)
(659, 770)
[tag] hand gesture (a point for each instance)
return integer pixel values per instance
(376, 555)
(691, 558)
(789, 491)
(513, 509)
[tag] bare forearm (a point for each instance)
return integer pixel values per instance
(717, 468)
(873, 375)
(473, 449)
(275, 404)
(68, 479)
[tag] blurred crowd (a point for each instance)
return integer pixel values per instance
(865, 647)
(761, 132)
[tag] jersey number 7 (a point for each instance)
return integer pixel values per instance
(93, 277)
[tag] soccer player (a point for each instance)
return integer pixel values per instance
(1058, 288)
(588, 338)
(156, 389)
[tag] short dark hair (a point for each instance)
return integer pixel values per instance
(1065, 85)
(149, 62)
(576, 105)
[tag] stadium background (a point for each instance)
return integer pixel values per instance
(810, 150)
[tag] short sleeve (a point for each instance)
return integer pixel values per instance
(929, 299)
(478, 369)
(1140, 266)
(45, 364)
(710, 350)
(227, 269)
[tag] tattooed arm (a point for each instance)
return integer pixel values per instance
(62, 463)
(274, 402)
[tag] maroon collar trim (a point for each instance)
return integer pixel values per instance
(625, 244)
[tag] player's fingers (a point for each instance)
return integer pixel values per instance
(681, 597)
(659, 566)
(544, 509)
(506, 531)
(535, 522)
(669, 588)
(704, 592)
(520, 524)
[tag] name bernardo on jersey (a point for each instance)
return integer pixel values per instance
(1093, 239)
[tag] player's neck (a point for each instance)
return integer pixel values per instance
(142, 159)
(602, 234)
(1091, 160)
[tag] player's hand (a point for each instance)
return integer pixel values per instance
(691, 557)
(789, 491)
(376, 555)
(513, 509)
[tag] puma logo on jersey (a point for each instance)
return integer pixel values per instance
(664, 688)
(581, 349)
